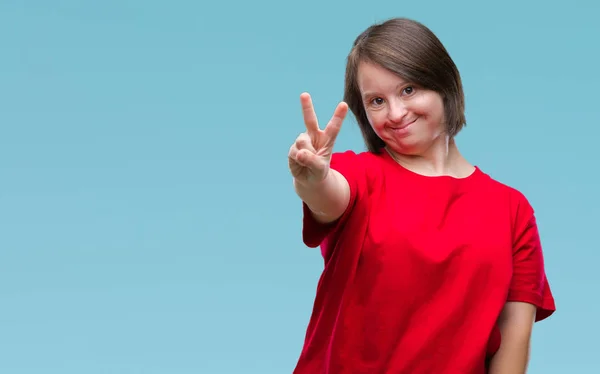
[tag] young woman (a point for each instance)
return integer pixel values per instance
(431, 266)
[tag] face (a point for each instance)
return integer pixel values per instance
(408, 118)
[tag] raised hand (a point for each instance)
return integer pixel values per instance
(310, 155)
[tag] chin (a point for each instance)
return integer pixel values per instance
(406, 148)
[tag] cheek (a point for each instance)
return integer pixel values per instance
(422, 106)
(430, 107)
(376, 119)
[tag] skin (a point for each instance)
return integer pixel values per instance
(325, 191)
(516, 325)
(423, 145)
(410, 120)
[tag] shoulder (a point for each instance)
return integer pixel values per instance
(363, 170)
(357, 164)
(365, 157)
(520, 206)
(358, 160)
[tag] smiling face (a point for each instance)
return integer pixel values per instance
(408, 118)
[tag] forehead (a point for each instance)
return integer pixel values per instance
(373, 77)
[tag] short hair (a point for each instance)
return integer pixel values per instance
(413, 52)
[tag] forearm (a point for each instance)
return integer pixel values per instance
(512, 357)
(328, 199)
(516, 325)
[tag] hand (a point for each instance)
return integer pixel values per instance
(310, 155)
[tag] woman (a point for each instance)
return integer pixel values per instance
(431, 266)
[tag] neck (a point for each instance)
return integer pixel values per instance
(442, 158)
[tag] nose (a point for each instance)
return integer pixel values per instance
(397, 111)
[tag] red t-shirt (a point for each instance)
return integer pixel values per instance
(417, 271)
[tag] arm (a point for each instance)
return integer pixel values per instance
(516, 324)
(324, 190)
(529, 298)
(328, 199)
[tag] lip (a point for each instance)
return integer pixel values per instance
(404, 126)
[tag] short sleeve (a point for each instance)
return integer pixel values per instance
(350, 165)
(529, 282)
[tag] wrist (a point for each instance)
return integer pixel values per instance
(311, 183)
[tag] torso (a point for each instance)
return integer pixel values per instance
(416, 277)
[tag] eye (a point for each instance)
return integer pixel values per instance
(377, 101)
(408, 90)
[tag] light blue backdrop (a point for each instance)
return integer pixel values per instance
(147, 218)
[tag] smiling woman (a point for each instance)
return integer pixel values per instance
(405, 116)
(431, 266)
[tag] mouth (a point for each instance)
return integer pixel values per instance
(404, 125)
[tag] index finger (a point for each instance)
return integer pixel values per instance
(308, 112)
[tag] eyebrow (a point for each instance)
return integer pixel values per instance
(373, 93)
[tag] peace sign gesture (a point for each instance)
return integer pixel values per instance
(310, 155)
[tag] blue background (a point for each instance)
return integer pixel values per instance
(148, 222)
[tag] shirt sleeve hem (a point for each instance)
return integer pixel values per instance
(545, 306)
(315, 232)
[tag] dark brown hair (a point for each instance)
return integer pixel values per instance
(413, 52)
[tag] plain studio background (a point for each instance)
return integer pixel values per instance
(147, 218)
